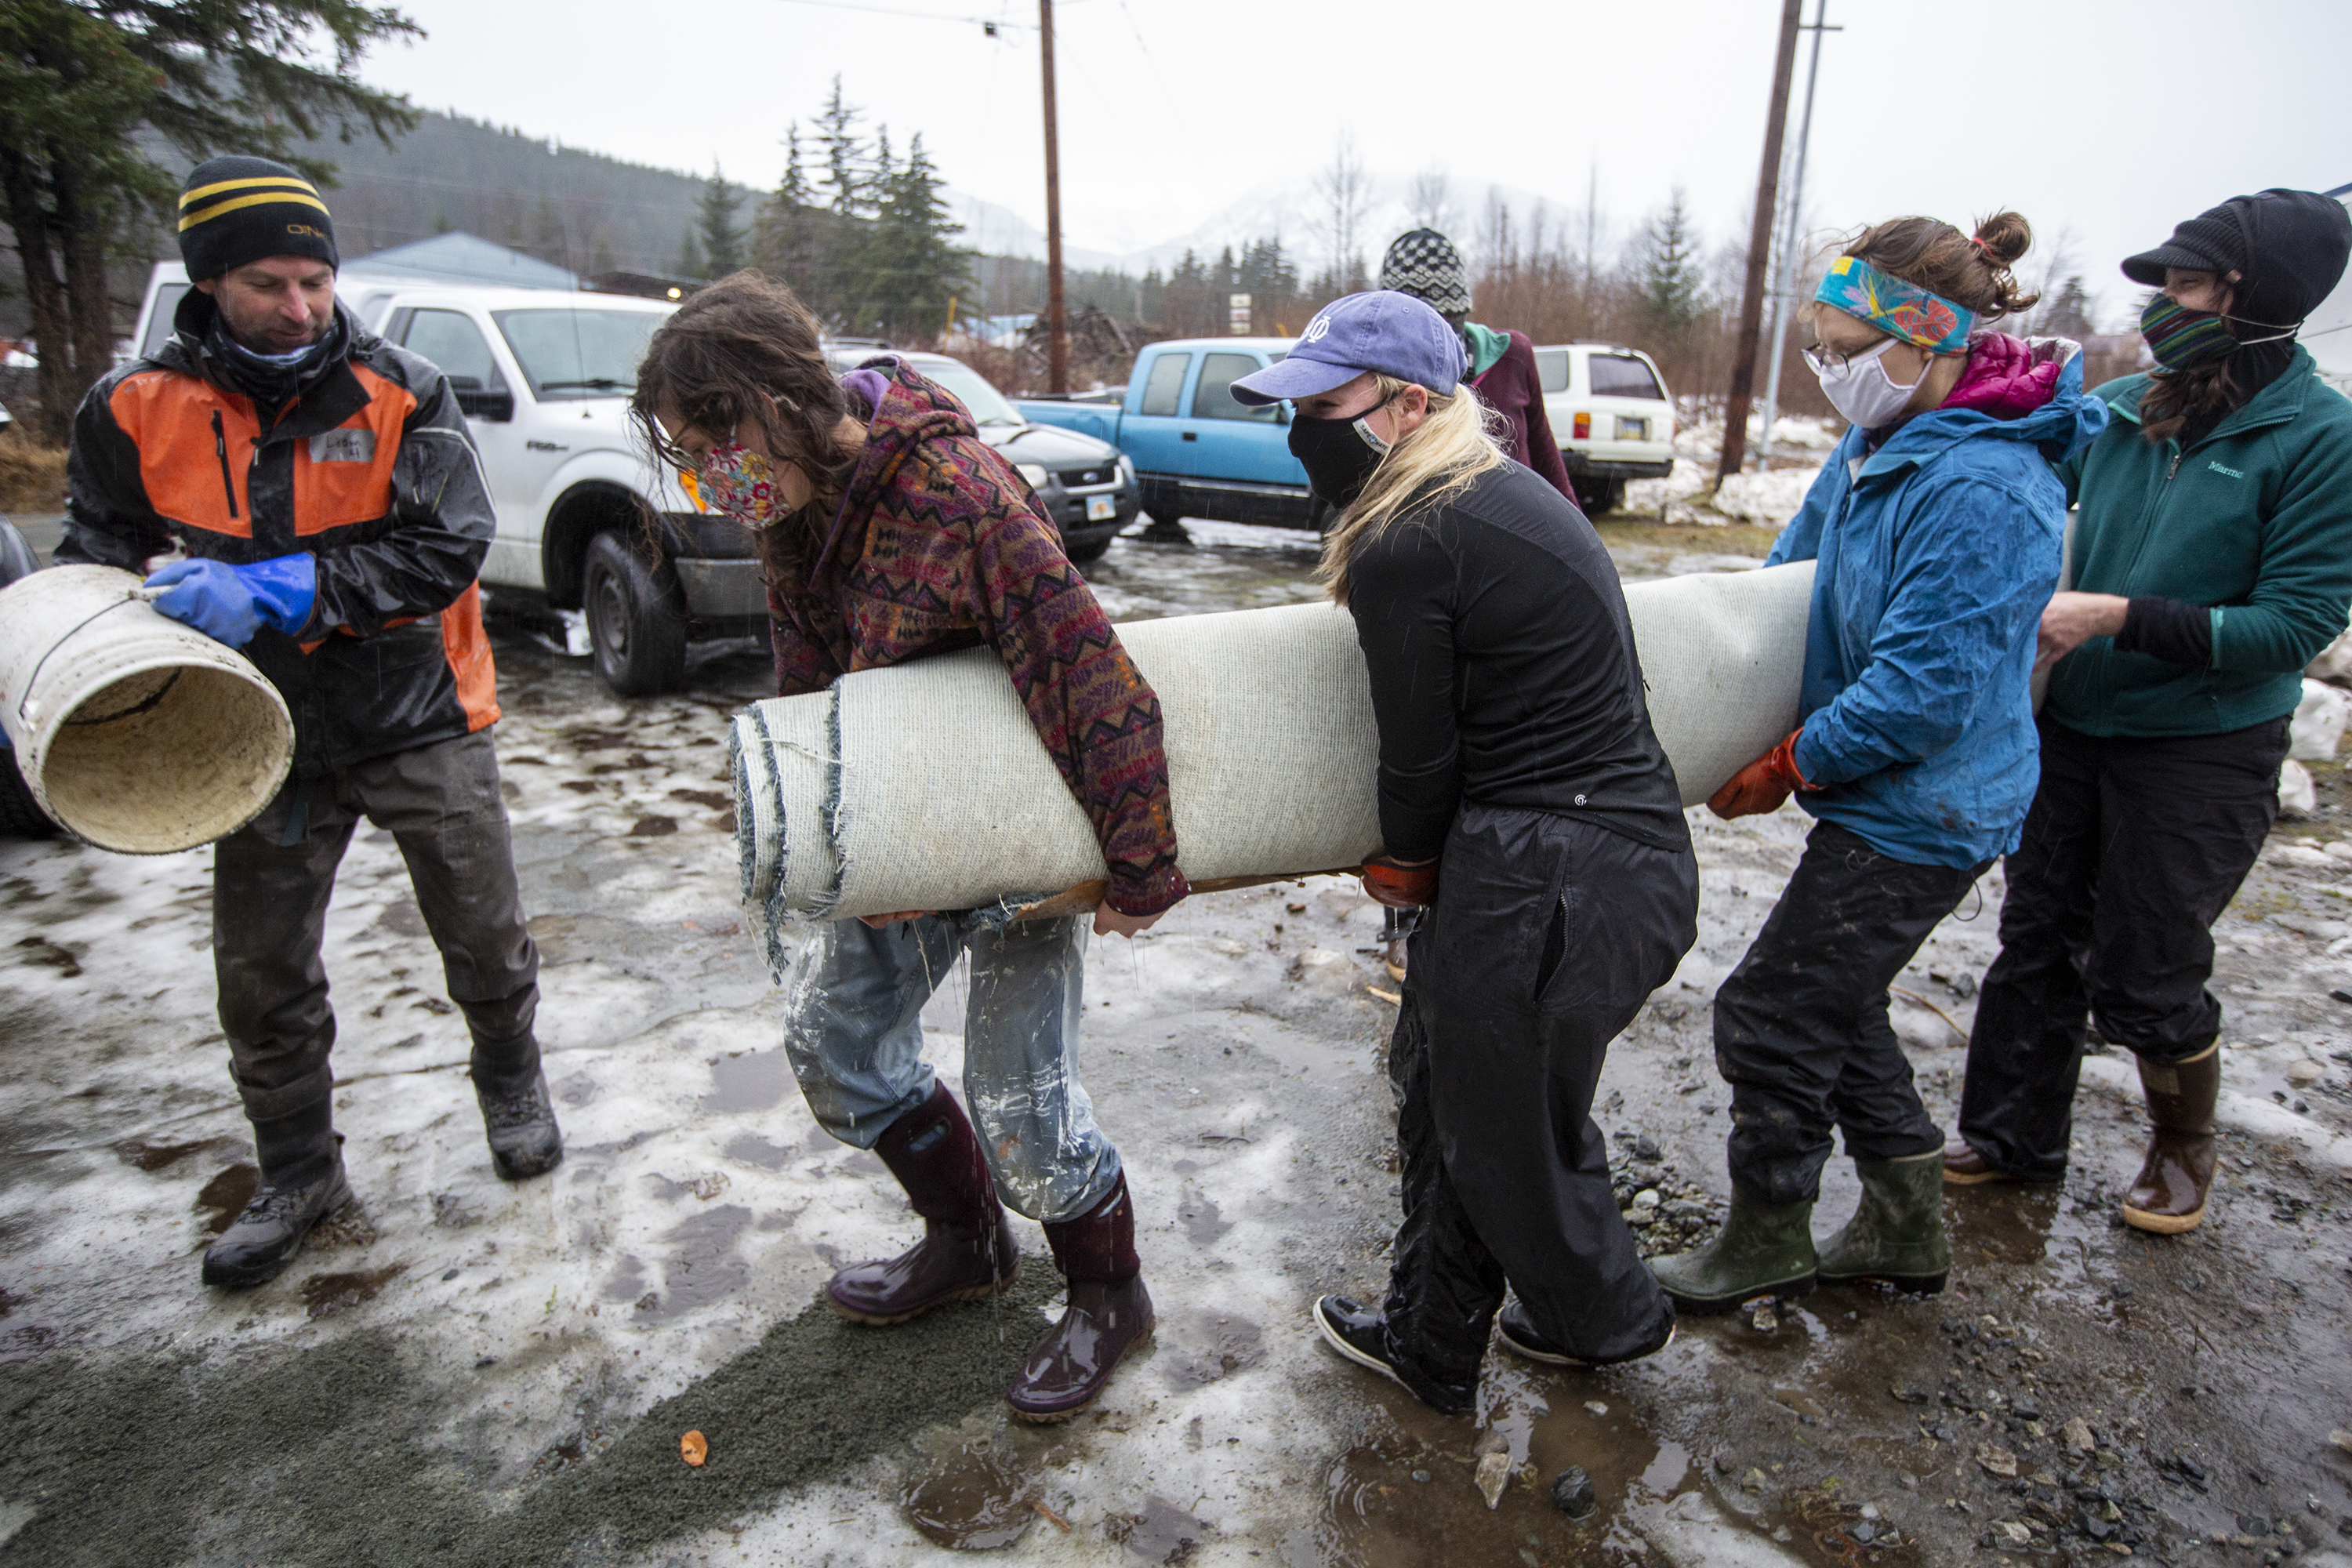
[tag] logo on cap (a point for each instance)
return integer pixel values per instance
(305, 230)
(1316, 330)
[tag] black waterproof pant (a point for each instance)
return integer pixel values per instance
(1547, 937)
(271, 882)
(1801, 1027)
(2134, 848)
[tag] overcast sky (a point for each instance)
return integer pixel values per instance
(2106, 120)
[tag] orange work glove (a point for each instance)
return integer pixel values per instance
(1400, 886)
(1762, 784)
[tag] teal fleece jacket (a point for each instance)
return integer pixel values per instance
(2254, 522)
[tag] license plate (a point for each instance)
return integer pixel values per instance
(1099, 508)
(1633, 429)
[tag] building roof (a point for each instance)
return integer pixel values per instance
(461, 257)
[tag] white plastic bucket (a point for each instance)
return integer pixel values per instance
(136, 734)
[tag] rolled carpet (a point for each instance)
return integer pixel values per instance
(923, 787)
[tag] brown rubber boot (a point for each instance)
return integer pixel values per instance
(1109, 1312)
(2169, 1196)
(967, 1251)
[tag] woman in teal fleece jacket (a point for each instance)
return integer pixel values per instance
(2212, 560)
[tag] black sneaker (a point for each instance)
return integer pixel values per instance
(520, 1124)
(1362, 1336)
(1518, 1332)
(269, 1231)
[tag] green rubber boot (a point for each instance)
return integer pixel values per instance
(1898, 1233)
(1763, 1249)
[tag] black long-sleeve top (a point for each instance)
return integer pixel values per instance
(1504, 671)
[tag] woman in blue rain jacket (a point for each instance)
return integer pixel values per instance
(1938, 527)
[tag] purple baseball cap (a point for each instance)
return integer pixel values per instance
(1382, 330)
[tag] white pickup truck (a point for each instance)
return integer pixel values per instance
(589, 526)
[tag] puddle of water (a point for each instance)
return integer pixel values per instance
(971, 1501)
(1162, 1533)
(704, 1269)
(226, 1194)
(754, 1150)
(157, 1156)
(753, 1080)
(327, 1294)
(1207, 1347)
(1377, 1514)
(1202, 1221)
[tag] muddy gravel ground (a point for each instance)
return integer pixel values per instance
(461, 1371)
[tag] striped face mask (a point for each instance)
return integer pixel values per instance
(2180, 337)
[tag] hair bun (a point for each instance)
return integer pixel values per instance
(2004, 237)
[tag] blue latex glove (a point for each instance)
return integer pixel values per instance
(229, 603)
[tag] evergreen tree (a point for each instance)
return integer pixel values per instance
(95, 99)
(721, 237)
(839, 151)
(2066, 313)
(784, 239)
(1667, 273)
(911, 265)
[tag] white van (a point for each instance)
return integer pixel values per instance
(588, 524)
(1611, 415)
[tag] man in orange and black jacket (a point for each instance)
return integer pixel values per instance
(331, 518)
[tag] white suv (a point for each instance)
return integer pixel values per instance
(1612, 416)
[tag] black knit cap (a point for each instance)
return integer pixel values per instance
(236, 209)
(2290, 245)
(1423, 263)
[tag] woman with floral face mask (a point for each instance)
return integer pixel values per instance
(1936, 528)
(2213, 560)
(889, 530)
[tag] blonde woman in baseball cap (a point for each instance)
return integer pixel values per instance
(1516, 754)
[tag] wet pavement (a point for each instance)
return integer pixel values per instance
(458, 1371)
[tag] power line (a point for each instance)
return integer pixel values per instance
(989, 24)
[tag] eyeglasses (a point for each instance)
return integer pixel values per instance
(1825, 361)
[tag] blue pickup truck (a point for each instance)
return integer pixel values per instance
(1197, 451)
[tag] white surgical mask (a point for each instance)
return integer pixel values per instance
(1859, 387)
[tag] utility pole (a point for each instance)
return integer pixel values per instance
(1787, 271)
(1759, 251)
(1058, 323)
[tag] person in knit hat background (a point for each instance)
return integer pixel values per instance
(329, 518)
(1424, 264)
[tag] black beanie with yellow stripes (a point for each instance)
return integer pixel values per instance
(236, 209)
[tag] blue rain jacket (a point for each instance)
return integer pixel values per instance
(1937, 553)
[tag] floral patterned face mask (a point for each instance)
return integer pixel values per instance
(739, 482)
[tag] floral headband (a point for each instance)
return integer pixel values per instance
(1891, 305)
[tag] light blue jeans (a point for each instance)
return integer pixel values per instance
(853, 1030)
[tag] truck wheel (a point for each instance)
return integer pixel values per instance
(638, 631)
(1091, 551)
(20, 815)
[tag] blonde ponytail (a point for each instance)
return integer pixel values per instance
(1427, 467)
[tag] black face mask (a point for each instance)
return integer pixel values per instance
(1339, 455)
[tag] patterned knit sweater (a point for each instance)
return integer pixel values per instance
(939, 546)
